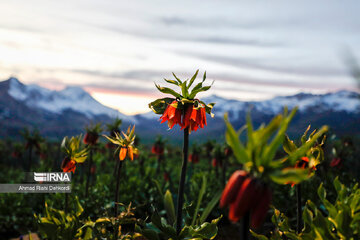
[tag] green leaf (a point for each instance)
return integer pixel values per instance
(271, 149)
(78, 208)
(303, 137)
(338, 186)
(177, 79)
(290, 175)
(158, 106)
(200, 197)
(88, 234)
(288, 145)
(329, 207)
(301, 151)
(210, 207)
(193, 78)
(184, 90)
(168, 91)
(206, 230)
(258, 236)
(232, 138)
(103, 220)
(64, 142)
(169, 207)
(172, 82)
(202, 89)
(157, 185)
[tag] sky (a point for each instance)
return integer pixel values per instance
(116, 50)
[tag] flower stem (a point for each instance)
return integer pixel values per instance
(117, 188)
(298, 210)
(88, 173)
(66, 202)
(180, 200)
(30, 158)
(224, 172)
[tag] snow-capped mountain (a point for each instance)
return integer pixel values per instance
(345, 101)
(67, 112)
(74, 98)
(340, 110)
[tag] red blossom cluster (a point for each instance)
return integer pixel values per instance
(216, 162)
(194, 157)
(193, 117)
(157, 149)
(303, 163)
(336, 162)
(91, 138)
(68, 165)
(245, 194)
(166, 176)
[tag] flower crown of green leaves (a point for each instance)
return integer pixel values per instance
(114, 125)
(71, 147)
(186, 96)
(94, 128)
(127, 140)
(258, 155)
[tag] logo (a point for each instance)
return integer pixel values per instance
(52, 177)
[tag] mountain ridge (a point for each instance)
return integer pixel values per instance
(57, 101)
(56, 112)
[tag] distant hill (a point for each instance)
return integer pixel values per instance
(67, 112)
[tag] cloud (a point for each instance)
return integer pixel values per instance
(254, 63)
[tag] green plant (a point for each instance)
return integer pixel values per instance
(185, 110)
(337, 220)
(195, 227)
(124, 226)
(247, 192)
(56, 224)
(125, 148)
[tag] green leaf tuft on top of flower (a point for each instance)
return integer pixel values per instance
(310, 158)
(92, 134)
(258, 155)
(248, 191)
(114, 127)
(183, 108)
(125, 143)
(74, 153)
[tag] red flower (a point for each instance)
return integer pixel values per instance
(166, 176)
(216, 162)
(129, 151)
(172, 114)
(109, 145)
(231, 188)
(194, 117)
(336, 162)
(91, 138)
(157, 149)
(93, 169)
(303, 163)
(42, 156)
(228, 151)
(16, 154)
(246, 194)
(194, 158)
(68, 165)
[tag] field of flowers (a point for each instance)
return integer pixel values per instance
(258, 184)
